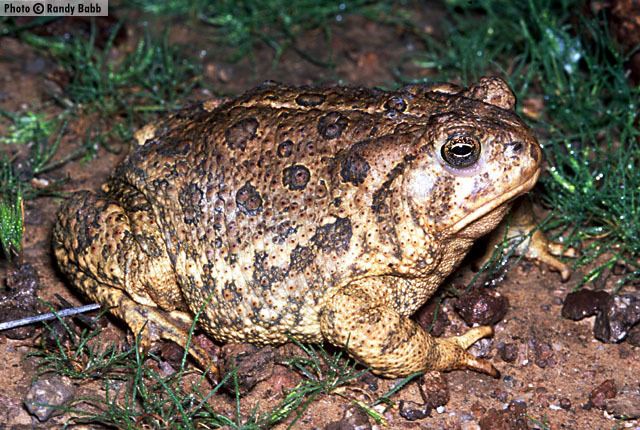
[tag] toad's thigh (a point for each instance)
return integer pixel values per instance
(94, 236)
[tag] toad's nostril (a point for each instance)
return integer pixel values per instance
(515, 146)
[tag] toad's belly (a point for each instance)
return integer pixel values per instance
(262, 323)
(263, 306)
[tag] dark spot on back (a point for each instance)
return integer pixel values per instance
(171, 148)
(263, 275)
(334, 237)
(283, 231)
(378, 201)
(284, 149)
(353, 166)
(332, 125)
(296, 177)
(249, 200)
(310, 99)
(241, 132)
(189, 198)
(301, 258)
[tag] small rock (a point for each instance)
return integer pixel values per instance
(483, 348)
(354, 418)
(57, 334)
(47, 395)
(615, 315)
(253, 364)
(466, 416)
(508, 352)
(19, 300)
(616, 319)
(434, 391)
(543, 353)
(499, 395)
(412, 411)
(565, 404)
(584, 303)
(514, 417)
(604, 391)
(634, 335)
(432, 317)
(626, 405)
(481, 307)
(509, 381)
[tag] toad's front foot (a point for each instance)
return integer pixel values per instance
(392, 344)
(535, 246)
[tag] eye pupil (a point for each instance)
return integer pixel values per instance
(461, 151)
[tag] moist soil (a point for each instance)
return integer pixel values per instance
(554, 374)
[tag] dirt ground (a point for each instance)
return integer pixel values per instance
(550, 365)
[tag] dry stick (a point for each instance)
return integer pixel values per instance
(49, 316)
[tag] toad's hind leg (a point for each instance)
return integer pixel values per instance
(390, 343)
(117, 258)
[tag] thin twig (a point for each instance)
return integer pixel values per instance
(48, 316)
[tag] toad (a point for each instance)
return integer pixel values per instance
(323, 214)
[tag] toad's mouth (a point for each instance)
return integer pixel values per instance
(495, 203)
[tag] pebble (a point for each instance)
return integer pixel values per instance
(34, 66)
(412, 411)
(434, 391)
(617, 317)
(46, 395)
(514, 417)
(634, 335)
(565, 404)
(481, 307)
(508, 352)
(543, 353)
(253, 365)
(509, 381)
(499, 395)
(604, 391)
(584, 303)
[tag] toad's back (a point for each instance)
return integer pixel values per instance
(254, 199)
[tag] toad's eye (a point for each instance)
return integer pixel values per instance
(461, 150)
